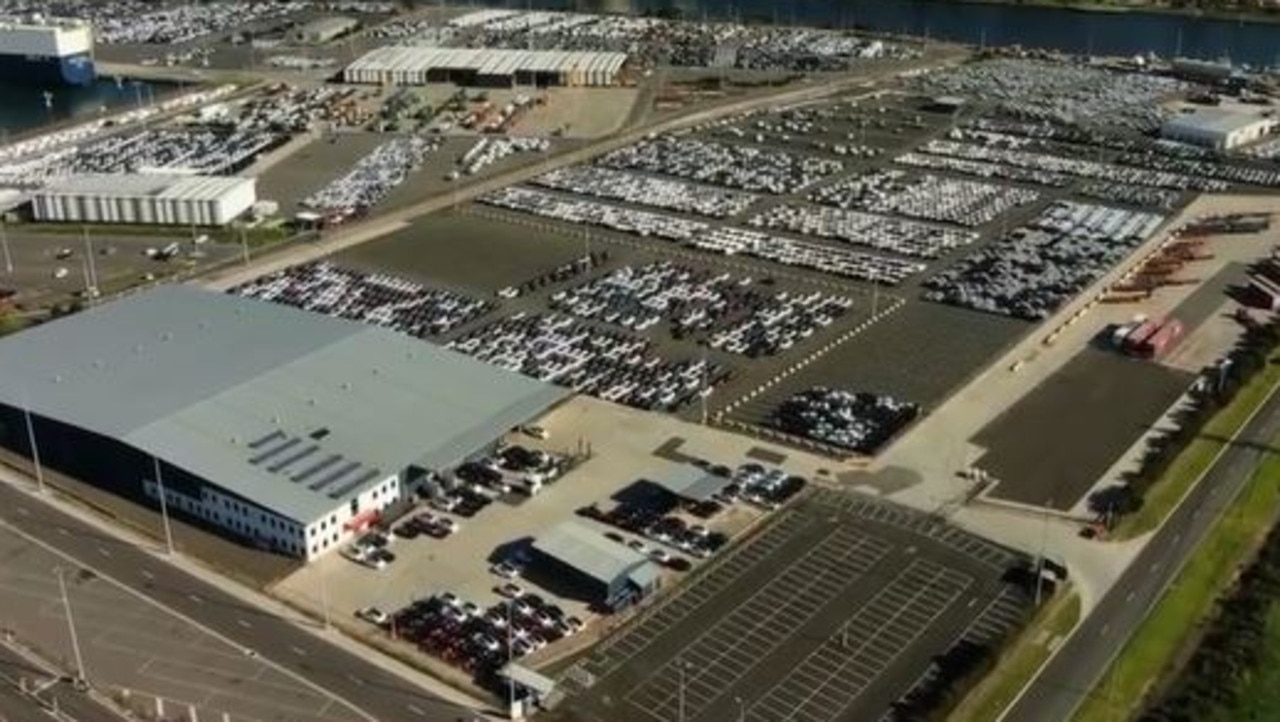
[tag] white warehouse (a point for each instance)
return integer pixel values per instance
(287, 430)
(1217, 128)
(145, 198)
(396, 65)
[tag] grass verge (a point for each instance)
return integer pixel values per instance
(1190, 599)
(1020, 661)
(1199, 454)
(1259, 696)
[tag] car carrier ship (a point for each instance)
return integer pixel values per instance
(46, 51)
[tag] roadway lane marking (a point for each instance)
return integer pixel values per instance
(244, 624)
(195, 598)
(355, 679)
(1155, 566)
(1103, 632)
(103, 551)
(63, 531)
(147, 575)
(1130, 597)
(22, 511)
(417, 710)
(298, 651)
(303, 676)
(1177, 537)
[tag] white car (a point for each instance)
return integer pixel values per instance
(660, 556)
(373, 615)
(506, 570)
(536, 432)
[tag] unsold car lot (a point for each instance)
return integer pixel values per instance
(830, 613)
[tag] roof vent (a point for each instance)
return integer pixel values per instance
(166, 336)
(57, 378)
(376, 371)
(311, 402)
(97, 363)
(346, 386)
(275, 420)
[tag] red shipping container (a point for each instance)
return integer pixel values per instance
(1161, 340)
(1137, 338)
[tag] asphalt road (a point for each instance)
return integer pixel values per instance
(18, 707)
(1073, 673)
(378, 693)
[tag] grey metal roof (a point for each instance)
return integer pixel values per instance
(156, 185)
(1212, 120)
(211, 382)
(689, 481)
(590, 552)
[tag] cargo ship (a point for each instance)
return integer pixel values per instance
(46, 51)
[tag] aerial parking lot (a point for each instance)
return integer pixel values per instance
(850, 599)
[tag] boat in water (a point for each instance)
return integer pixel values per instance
(46, 51)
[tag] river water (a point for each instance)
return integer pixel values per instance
(23, 107)
(1102, 33)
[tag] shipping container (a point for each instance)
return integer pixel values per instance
(1135, 339)
(1164, 338)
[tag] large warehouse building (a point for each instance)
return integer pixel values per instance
(1217, 128)
(145, 198)
(396, 65)
(289, 430)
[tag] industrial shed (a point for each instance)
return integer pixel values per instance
(322, 30)
(145, 198)
(606, 574)
(287, 429)
(1217, 128)
(398, 65)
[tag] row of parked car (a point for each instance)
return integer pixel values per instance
(672, 195)
(804, 254)
(1033, 270)
(588, 212)
(487, 151)
(479, 640)
(860, 422)
(1151, 175)
(932, 198)
(612, 366)
(129, 22)
(882, 233)
(375, 298)
(730, 313)
(373, 177)
(746, 167)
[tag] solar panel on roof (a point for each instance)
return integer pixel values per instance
(333, 476)
(276, 467)
(276, 450)
(345, 489)
(257, 443)
(317, 467)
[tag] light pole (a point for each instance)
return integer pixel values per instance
(71, 625)
(164, 507)
(4, 243)
(93, 270)
(324, 595)
(35, 449)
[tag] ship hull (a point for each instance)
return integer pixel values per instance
(74, 70)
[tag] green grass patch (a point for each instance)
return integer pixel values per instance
(1259, 696)
(1187, 467)
(1189, 601)
(1020, 662)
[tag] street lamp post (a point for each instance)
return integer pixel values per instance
(164, 506)
(4, 244)
(71, 625)
(35, 448)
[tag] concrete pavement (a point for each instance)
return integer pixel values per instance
(323, 662)
(1071, 675)
(48, 691)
